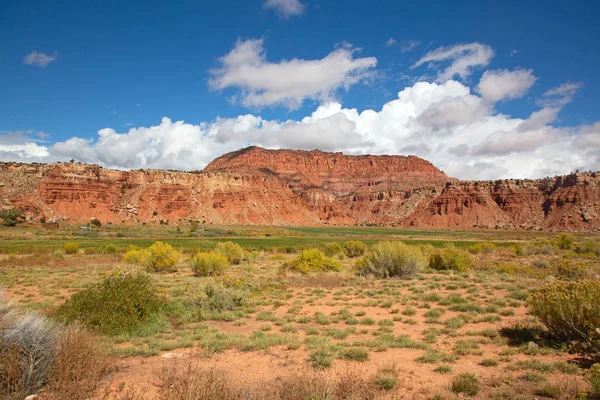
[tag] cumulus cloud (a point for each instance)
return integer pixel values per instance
(503, 84)
(289, 82)
(447, 123)
(463, 58)
(285, 8)
(39, 59)
(453, 125)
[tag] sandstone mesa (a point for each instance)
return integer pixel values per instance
(255, 186)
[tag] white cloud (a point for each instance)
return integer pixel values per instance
(288, 82)
(285, 8)
(447, 124)
(405, 45)
(463, 59)
(562, 94)
(503, 84)
(408, 45)
(39, 59)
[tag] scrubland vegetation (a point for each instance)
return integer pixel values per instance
(357, 315)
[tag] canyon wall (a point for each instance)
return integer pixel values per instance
(302, 188)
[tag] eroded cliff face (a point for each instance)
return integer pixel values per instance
(78, 193)
(335, 173)
(291, 187)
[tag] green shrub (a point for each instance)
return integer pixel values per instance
(466, 383)
(354, 248)
(110, 248)
(12, 217)
(206, 264)
(158, 257)
(570, 311)
(71, 247)
(333, 249)
(117, 304)
(392, 259)
(95, 223)
(233, 251)
(312, 260)
(565, 241)
(451, 259)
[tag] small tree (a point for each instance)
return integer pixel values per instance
(12, 217)
(95, 223)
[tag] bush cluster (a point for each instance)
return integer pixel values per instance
(588, 247)
(312, 260)
(37, 354)
(159, 257)
(392, 259)
(117, 304)
(570, 310)
(451, 259)
(354, 248)
(233, 252)
(207, 264)
(484, 248)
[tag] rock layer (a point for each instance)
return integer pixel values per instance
(292, 187)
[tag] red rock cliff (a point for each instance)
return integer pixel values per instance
(291, 187)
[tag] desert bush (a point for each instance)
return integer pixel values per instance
(482, 248)
(71, 247)
(354, 248)
(392, 259)
(79, 365)
(159, 257)
(119, 303)
(12, 217)
(333, 249)
(565, 241)
(593, 377)
(570, 310)
(194, 381)
(233, 251)
(110, 248)
(466, 383)
(206, 264)
(589, 246)
(212, 301)
(27, 343)
(451, 259)
(38, 355)
(95, 223)
(567, 269)
(312, 260)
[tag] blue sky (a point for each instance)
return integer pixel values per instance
(124, 65)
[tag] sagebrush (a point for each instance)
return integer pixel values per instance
(312, 260)
(392, 259)
(570, 310)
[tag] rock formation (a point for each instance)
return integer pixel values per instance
(292, 187)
